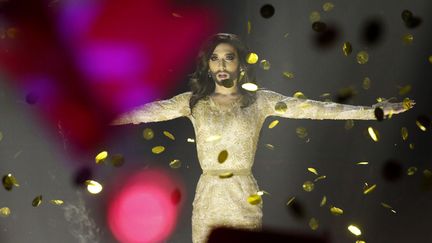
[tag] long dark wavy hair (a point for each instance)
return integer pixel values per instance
(202, 85)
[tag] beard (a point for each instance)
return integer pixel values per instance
(227, 83)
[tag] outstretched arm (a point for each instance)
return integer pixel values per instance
(290, 107)
(156, 111)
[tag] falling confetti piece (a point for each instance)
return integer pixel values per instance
(5, 212)
(249, 27)
(421, 126)
(379, 113)
(148, 134)
(190, 140)
(346, 48)
(169, 135)
(308, 186)
(290, 201)
(281, 107)
(411, 146)
(349, 124)
(336, 211)
(288, 75)
(430, 59)
(354, 230)
(313, 170)
(320, 178)
(366, 83)
(222, 157)
(9, 181)
(408, 39)
(56, 202)
(319, 26)
(265, 65)
(323, 201)
(226, 175)
(273, 124)
(250, 87)
(117, 160)
(100, 157)
(313, 224)
(252, 58)
(93, 186)
(328, 6)
(427, 173)
(177, 15)
(269, 146)
(411, 170)
(37, 201)
(158, 149)
(299, 95)
(362, 57)
(286, 35)
(373, 133)
(404, 89)
(404, 133)
(314, 17)
(213, 138)
(254, 199)
(1, 136)
(12, 32)
(363, 163)
(360, 241)
(267, 11)
(369, 189)
(301, 132)
(175, 164)
(388, 207)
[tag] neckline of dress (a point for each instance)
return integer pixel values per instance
(229, 106)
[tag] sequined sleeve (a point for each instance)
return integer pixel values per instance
(161, 110)
(275, 104)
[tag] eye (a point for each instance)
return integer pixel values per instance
(230, 57)
(213, 58)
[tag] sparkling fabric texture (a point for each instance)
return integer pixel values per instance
(223, 201)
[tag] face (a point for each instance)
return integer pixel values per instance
(224, 64)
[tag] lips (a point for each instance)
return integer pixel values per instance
(222, 76)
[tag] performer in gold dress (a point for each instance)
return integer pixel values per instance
(228, 118)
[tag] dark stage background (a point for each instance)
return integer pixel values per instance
(40, 157)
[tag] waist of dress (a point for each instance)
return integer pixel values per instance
(227, 173)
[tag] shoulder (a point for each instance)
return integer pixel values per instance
(183, 96)
(266, 95)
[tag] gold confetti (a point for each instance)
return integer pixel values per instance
(404, 133)
(301, 132)
(175, 164)
(366, 83)
(323, 201)
(299, 95)
(360, 241)
(419, 125)
(427, 173)
(362, 57)
(250, 87)
(1, 136)
(158, 149)
(411, 170)
(404, 89)
(12, 32)
(411, 146)
(369, 189)
(249, 27)
(273, 124)
(213, 138)
(328, 6)
(308, 186)
(37, 201)
(354, 230)
(222, 157)
(254, 199)
(93, 186)
(100, 157)
(313, 170)
(290, 201)
(9, 181)
(169, 135)
(5, 212)
(117, 160)
(269, 146)
(430, 59)
(286, 35)
(177, 15)
(388, 206)
(320, 178)
(288, 75)
(252, 58)
(313, 224)
(265, 65)
(226, 175)
(56, 202)
(314, 16)
(281, 107)
(148, 134)
(336, 211)
(346, 48)
(190, 140)
(408, 39)
(363, 163)
(349, 124)
(373, 134)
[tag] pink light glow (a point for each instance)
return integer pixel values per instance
(143, 209)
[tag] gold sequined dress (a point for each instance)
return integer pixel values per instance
(223, 201)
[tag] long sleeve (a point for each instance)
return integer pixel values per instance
(275, 104)
(156, 111)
